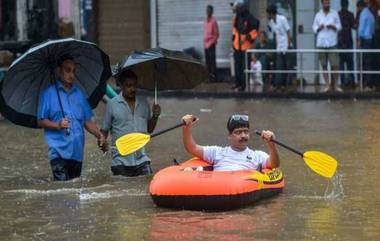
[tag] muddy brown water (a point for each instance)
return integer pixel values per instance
(102, 207)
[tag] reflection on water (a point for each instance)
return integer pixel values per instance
(102, 207)
(239, 225)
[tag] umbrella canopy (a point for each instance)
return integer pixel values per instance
(162, 69)
(31, 73)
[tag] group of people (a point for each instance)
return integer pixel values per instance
(64, 131)
(127, 113)
(245, 36)
(244, 32)
(333, 30)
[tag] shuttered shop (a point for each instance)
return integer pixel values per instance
(180, 26)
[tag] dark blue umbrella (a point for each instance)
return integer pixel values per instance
(31, 73)
(163, 69)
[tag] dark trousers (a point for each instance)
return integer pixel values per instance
(64, 169)
(367, 60)
(239, 58)
(211, 62)
(376, 66)
(132, 171)
(281, 79)
(346, 59)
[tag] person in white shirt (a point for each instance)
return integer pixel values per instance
(256, 67)
(236, 156)
(326, 26)
(279, 25)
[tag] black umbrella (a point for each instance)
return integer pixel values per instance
(31, 73)
(163, 69)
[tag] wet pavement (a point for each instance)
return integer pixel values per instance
(224, 90)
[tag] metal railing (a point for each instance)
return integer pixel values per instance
(358, 68)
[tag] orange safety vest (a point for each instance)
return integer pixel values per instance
(239, 40)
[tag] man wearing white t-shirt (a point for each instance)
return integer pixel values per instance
(326, 26)
(279, 25)
(236, 156)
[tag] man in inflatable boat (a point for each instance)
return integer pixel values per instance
(236, 156)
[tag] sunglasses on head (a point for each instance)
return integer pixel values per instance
(239, 117)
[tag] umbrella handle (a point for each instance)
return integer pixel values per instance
(60, 104)
(155, 91)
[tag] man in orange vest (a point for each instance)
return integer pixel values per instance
(244, 32)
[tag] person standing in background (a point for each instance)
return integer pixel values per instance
(366, 31)
(210, 39)
(345, 41)
(326, 26)
(281, 29)
(256, 67)
(244, 33)
(360, 5)
(266, 59)
(376, 45)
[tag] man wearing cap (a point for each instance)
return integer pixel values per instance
(127, 113)
(236, 156)
(63, 112)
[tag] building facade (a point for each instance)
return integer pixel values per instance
(121, 26)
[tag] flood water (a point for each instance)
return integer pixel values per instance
(102, 207)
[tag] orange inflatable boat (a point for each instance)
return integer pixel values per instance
(172, 187)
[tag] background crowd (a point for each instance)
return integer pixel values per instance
(333, 30)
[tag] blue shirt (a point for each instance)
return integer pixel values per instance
(366, 24)
(76, 109)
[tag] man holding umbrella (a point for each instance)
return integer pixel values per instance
(127, 113)
(64, 132)
(151, 69)
(34, 95)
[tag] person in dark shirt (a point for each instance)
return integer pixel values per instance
(345, 41)
(244, 33)
(266, 59)
(376, 45)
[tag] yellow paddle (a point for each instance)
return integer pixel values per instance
(132, 142)
(319, 162)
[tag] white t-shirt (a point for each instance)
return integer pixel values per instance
(226, 159)
(280, 28)
(256, 67)
(327, 38)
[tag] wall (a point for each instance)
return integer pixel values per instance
(122, 26)
(180, 26)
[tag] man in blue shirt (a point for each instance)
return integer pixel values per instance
(366, 30)
(63, 112)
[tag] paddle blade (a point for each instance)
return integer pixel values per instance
(321, 163)
(131, 142)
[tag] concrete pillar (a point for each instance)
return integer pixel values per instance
(21, 19)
